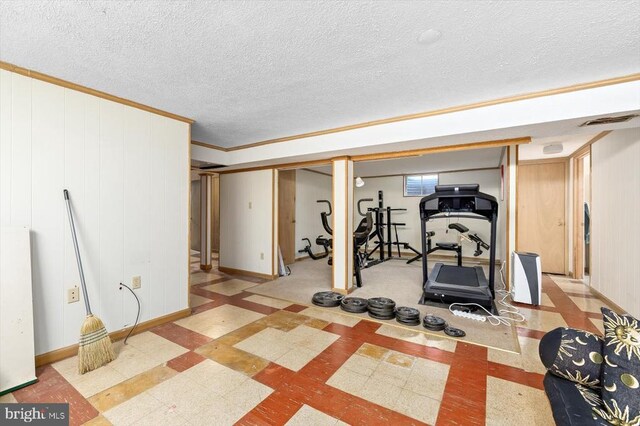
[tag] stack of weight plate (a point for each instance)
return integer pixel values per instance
(381, 308)
(408, 316)
(433, 323)
(327, 299)
(355, 305)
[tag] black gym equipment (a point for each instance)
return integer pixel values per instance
(381, 308)
(355, 305)
(433, 323)
(383, 224)
(327, 299)
(360, 237)
(455, 283)
(473, 238)
(407, 316)
(321, 241)
(454, 332)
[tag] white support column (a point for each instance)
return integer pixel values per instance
(342, 224)
(205, 222)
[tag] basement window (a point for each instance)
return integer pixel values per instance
(420, 185)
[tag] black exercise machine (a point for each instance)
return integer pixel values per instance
(382, 225)
(321, 241)
(473, 238)
(457, 283)
(360, 237)
(326, 243)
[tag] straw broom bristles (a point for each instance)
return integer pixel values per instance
(95, 349)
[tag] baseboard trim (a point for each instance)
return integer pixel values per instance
(69, 351)
(233, 271)
(608, 301)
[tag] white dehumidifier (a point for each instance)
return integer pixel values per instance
(526, 278)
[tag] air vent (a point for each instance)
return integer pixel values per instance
(608, 120)
(212, 166)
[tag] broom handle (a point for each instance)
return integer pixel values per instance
(75, 246)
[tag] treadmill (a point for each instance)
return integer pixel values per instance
(455, 283)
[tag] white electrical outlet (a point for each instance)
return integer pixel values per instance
(136, 282)
(261, 256)
(73, 295)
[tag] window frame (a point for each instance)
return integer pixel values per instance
(422, 175)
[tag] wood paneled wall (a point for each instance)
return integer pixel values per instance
(615, 203)
(127, 173)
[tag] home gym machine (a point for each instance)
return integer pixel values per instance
(383, 224)
(456, 283)
(456, 247)
(320, 240)
(360, 237)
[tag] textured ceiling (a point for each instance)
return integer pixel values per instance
(250, 71)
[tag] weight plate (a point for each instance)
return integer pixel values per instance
(408, 322)
(356, 305)
(454, 332)
(327, 299)
(407, 312)
(382, 317)
(387, 310)
(433, 323)
(381, 303)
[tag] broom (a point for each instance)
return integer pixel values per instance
(94, 349)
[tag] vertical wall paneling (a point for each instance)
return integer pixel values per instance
(127, 172)
(110, 309)
(89, 218)
(74, 172)
(176, 187)
(47, 213)
(5, 146)
(615, 201)
(21, 129)
(136, 258)
(158, 229)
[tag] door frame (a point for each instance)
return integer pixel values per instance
(577, 160)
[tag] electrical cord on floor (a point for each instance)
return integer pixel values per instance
(505, 316)
(137, 315)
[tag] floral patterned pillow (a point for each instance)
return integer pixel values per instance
(578, 357)
(621, 368)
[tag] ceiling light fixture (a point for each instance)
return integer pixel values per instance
(429, 36)
(552, 149)
(359, 182)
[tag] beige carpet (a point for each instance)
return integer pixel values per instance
(393, 279)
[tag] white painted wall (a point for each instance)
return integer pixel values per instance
(615, 234)
(310, 187)
(393, 191)
(127, 173)
(246, 212)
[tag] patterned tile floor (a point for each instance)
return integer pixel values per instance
(246, 359)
